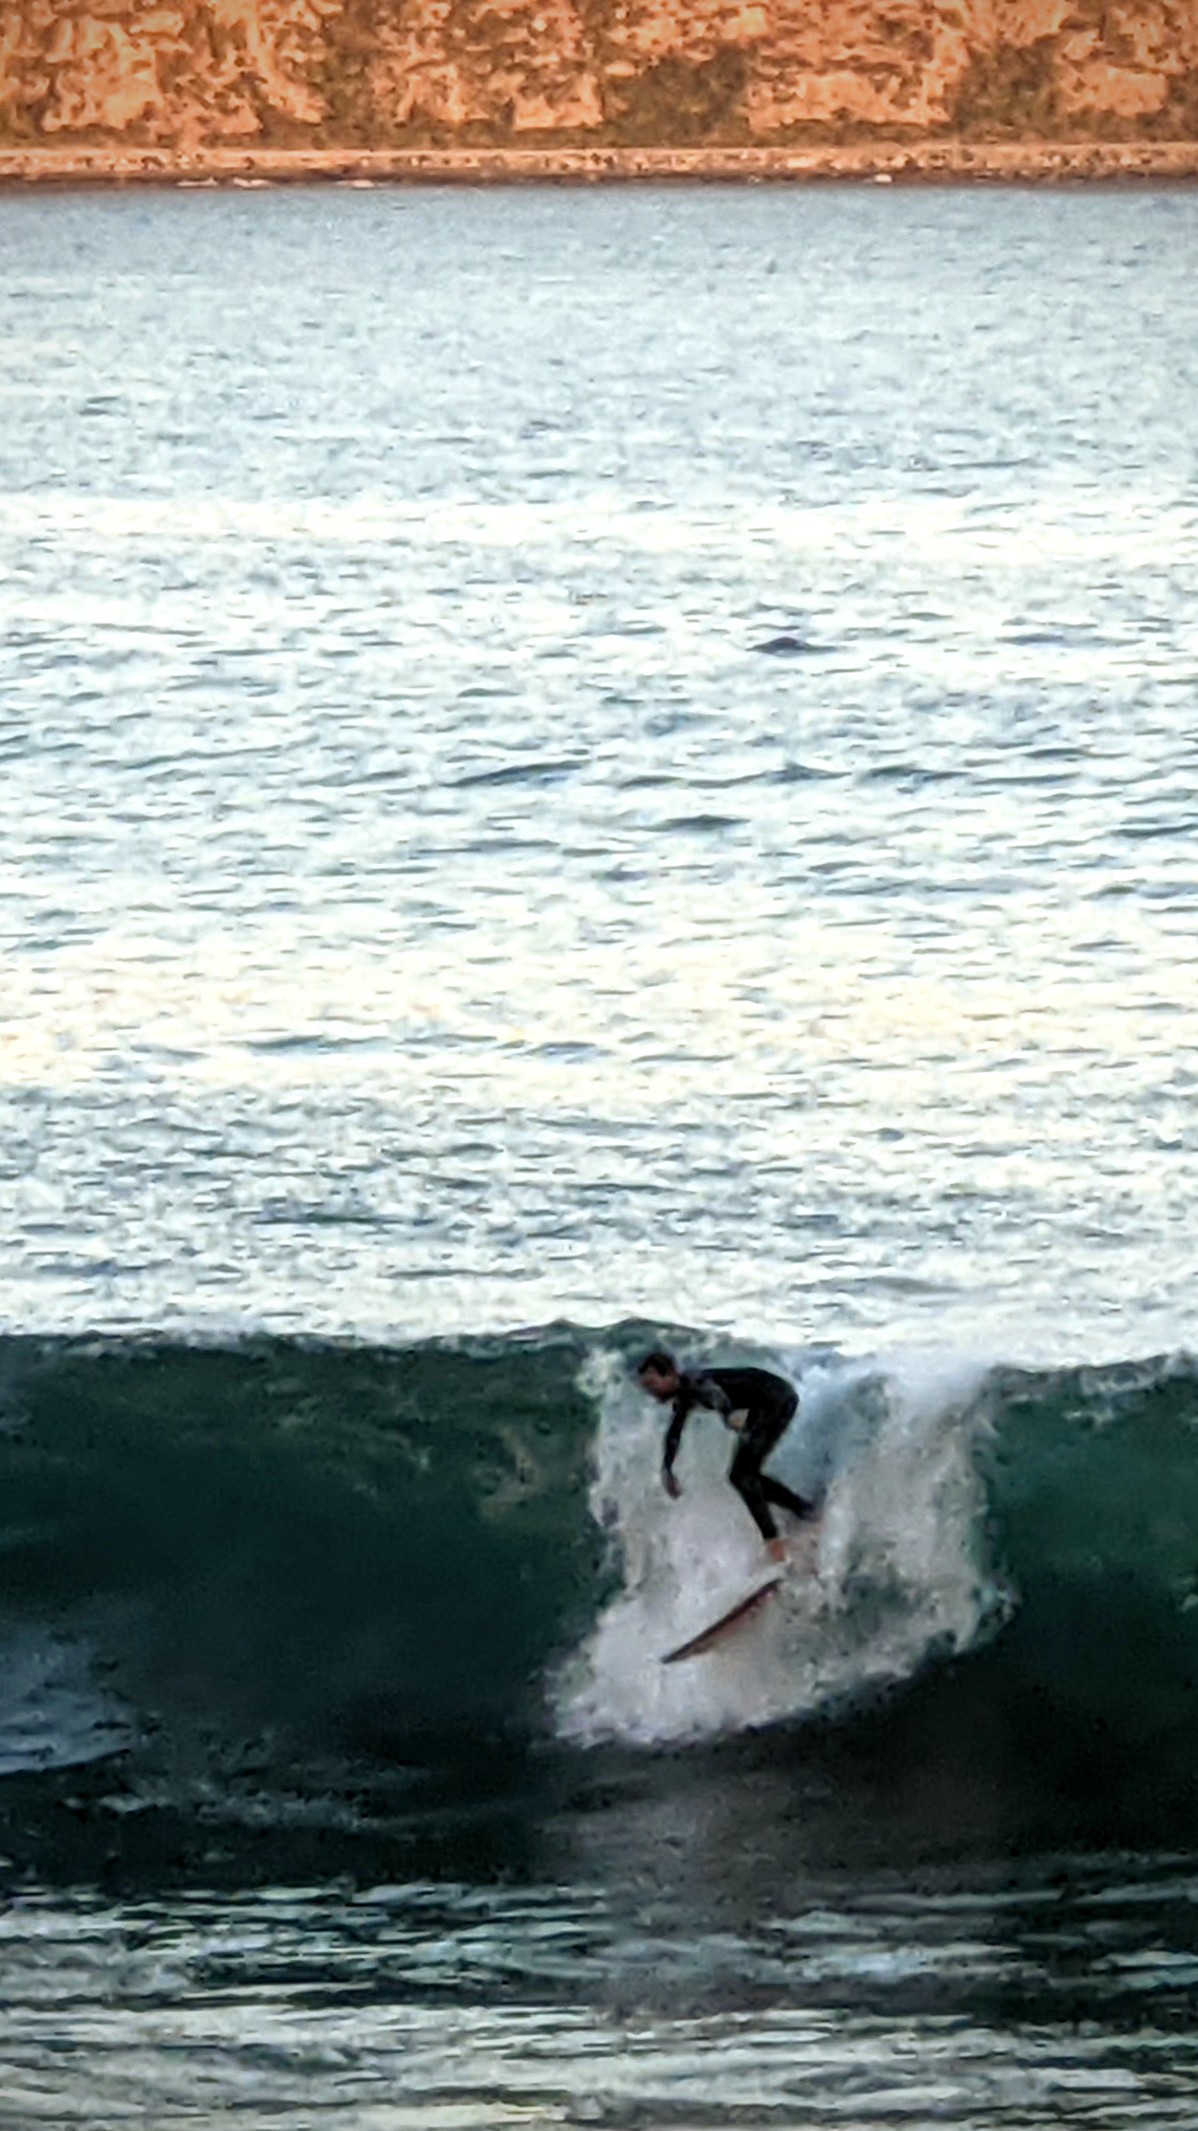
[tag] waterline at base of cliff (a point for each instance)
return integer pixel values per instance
(935, 160)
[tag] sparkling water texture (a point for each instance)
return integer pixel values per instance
(575, 753)
(588, 755)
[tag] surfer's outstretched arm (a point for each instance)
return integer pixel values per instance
(692, 1391)
(662, 1378)
(669, 1478)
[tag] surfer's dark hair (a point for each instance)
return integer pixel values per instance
(659, 1360)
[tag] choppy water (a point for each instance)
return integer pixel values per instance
(438, 2004)
(430, 905)
(596, 761)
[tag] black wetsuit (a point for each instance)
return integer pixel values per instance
(761, 1407)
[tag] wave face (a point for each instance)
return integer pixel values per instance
(279, 1572)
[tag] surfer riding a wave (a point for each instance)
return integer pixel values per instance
(758, 1406)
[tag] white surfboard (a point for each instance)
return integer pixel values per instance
(741, 1609)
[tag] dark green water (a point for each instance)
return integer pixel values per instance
(341, 1772)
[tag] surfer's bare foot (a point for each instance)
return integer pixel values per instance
(776, 1549)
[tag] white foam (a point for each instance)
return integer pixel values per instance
(895, 1570)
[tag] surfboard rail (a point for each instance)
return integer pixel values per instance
(740, 1610)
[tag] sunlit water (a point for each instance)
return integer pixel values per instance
(576, 755)
(429, 901)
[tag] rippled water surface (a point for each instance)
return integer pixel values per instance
(1035, 2005)
(581, 755)
(574, 752)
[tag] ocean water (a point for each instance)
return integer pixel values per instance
(582, 766)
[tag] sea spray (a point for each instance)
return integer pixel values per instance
(895, 1570)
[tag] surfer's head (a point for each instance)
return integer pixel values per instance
(659, 1374)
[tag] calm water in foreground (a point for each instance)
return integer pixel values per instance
(577, 763)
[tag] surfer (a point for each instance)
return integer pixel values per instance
(757, 1405)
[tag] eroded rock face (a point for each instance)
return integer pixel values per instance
(186, 73)
(200, 70)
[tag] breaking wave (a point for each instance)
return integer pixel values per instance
(270, 1573)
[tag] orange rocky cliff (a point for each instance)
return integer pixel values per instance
(190, 74)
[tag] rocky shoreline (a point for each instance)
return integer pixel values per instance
(943, 160)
